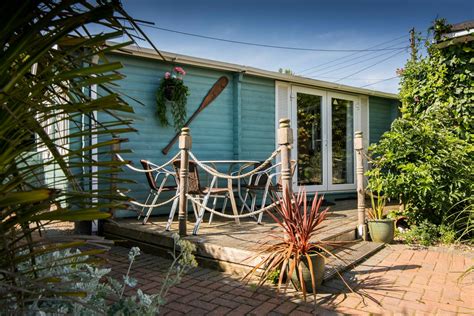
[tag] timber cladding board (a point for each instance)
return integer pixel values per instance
(382, 112)
(258, 117)
(212, 132)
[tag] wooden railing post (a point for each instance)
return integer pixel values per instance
(285, 140)
(359, 148)
(185, 143)
(113, 176)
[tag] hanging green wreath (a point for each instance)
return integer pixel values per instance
(172, 91)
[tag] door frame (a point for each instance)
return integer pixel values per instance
(355, 118)
(326, 124)
(324, 130)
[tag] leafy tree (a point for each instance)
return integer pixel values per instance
(286, 71)
(427, 158)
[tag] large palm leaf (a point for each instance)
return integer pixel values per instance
(55, 80)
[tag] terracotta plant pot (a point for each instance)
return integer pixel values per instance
(318, 263)
(382, 230)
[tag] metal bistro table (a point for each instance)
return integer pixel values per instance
(232, 163)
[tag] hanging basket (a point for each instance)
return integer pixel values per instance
(169, 92)
(172, 96)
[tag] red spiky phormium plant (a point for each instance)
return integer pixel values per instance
(300, 222)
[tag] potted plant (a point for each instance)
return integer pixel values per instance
(381, 228)
(174, 93)
(295, 253)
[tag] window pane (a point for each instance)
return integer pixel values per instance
(342, 141)
(310, 161)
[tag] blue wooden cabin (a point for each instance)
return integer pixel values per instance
(241, 123)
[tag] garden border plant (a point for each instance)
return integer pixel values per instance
(297, 258)
(427, 157)
(55, 73)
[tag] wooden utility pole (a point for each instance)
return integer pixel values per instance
(413, 44)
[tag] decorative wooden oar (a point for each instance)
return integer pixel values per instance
(211, 95)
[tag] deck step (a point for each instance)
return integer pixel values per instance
(351, 256)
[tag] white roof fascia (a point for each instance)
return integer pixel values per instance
(208, 63)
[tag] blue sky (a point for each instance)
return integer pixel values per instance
(331, 24)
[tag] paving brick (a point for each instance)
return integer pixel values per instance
(204, 305)
(403, 280)
(221, 310)
(242, 309)
(197, 312)
(431, 296)
(263, 309)
(286, 308)
(183, 308)
(226, 303)
(190, 297)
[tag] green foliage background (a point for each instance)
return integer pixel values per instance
(427, 158)
(53, 53)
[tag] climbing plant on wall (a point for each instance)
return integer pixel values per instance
(427, 158)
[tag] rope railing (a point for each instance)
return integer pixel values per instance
(218, 174)
(285, 140)
(148, 205)
(157, 168)
(232, 216)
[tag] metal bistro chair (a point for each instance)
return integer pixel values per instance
(267, 181)
(257, 180)
(153, 177)
(196, 190)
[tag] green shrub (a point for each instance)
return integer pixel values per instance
(425, 234)
(427, 165)
(447, 235)
(427, 157)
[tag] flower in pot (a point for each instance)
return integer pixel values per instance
(295, 253)
(381, 228)
(174, 93)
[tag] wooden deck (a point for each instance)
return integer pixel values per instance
(228, 246)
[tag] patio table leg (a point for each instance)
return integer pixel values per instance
(232, 201)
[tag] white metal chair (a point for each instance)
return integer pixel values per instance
(162, 176)
(203, 193)
(267, 181)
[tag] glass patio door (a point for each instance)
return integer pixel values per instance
(341, 171)
(324, 137)
(309, 113)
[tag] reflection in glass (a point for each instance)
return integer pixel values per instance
(342, 141)
(310, 161)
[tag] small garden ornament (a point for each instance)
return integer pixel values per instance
(174, 93)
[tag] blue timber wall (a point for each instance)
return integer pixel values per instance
(239, 124)
(382, 112)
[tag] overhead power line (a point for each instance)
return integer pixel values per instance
(362, 79)
(267, 45)
(373, 83)
(374, 64)
(353, 54)
(319, 70)
(345, 65)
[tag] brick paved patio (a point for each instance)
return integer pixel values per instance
(398, 279)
